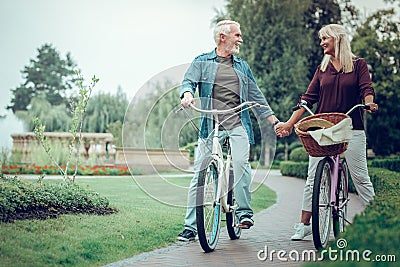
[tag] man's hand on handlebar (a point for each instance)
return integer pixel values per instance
(187, 99)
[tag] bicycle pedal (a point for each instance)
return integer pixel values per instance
(244, 226)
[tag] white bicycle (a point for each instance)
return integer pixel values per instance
(215, 194)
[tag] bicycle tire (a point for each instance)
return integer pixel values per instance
(232, 220)
(321, 208)
(339, 216)
(208, 209)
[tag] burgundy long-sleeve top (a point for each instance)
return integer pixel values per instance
(336, 91)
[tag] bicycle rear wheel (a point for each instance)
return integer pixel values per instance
(342, 195)
(208, 208)
(321, 208)
(232, 220)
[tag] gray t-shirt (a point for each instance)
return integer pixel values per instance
(226, 93)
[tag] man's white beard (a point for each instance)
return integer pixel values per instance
(233, 50)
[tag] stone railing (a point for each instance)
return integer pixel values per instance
(98, 145)
(98, 148)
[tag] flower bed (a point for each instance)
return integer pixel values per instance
(52, 170)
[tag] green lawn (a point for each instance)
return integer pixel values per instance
(145, 221)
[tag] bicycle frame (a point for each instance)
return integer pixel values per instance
(223, 178)
(216, 153)
(336, 168)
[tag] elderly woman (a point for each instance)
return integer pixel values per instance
(341, 81)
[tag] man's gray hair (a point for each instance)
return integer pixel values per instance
(224, 27)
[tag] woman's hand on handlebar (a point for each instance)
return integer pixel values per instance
(373, 107)
(187, 99)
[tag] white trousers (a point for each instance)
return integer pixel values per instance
(356, 159)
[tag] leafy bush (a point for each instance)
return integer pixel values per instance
(280, 149)
(294, 145)
(191, 147)
(295, 169)
(392, 164)
(20, 199)
(299, 154)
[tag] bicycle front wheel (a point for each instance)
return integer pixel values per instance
(342, 196)
(321, 208)
(208, 208)
(232, 220)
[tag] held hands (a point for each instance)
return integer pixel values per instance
(283, 129)
(187, 99)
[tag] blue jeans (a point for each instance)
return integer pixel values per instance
(240, 149)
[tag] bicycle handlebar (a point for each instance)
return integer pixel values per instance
(303, 104)
(216, 111)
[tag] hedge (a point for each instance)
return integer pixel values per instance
(18, 169)
(392, 164)
(294, 169)
(299, 154)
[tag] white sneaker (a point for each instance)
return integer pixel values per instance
(301, 231)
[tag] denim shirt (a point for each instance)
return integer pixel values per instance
(201, 74)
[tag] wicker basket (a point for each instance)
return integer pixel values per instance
(322, 120)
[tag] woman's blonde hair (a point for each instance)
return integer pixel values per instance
(342, 47)
(224, 27)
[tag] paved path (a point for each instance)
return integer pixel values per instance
(272, 230)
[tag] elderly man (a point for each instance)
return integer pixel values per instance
(224, 81)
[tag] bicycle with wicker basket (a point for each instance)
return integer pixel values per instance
(330, 189)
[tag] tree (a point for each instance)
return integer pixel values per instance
(151, 120)
(55, 117)
(276, 46)
(115, 128)
(104, 109)
(78, 111)
(378, 41)
(48, 74)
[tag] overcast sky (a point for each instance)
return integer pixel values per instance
(123, 42)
